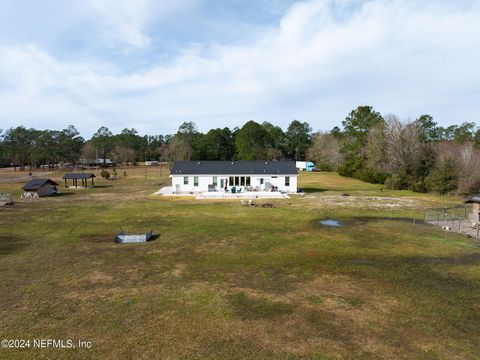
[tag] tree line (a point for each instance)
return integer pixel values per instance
(418, 155)
(31, 148)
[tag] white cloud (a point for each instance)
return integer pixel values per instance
(323, 59)
(123, 20)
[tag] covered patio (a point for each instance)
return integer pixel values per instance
(169, 191)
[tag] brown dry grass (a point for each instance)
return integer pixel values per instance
(225, 281)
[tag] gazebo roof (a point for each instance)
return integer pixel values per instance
(78, 176)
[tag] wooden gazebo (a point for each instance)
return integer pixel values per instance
(76, 176)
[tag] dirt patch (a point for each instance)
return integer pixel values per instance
(365, 202)
(100, 277)
(178, 270)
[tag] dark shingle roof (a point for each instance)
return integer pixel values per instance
(36, 184)
(473, 200)
(78, 176)
(257, 167)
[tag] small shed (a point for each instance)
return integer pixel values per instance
(475, 200)
(83, 177)
(39, 187)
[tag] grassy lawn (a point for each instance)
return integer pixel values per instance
(223, 281)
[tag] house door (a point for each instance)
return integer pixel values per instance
(267, 184)
(177, 188)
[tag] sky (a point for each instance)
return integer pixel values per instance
(152, 65)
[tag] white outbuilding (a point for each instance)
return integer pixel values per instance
(233, 176)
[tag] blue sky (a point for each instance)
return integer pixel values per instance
(149, 65)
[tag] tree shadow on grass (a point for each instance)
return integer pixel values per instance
(313, 190)
(10, 244)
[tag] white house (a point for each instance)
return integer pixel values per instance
(233, 176)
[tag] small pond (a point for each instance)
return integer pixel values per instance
(331, 222)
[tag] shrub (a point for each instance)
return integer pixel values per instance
(394, 182)
(105, 174)
(444, 178)
(420, 186)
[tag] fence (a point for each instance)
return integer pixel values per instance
(454, 218)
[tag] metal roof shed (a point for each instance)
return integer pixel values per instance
(39, 187)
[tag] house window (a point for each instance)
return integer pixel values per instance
(261, 181)
(237, 181)
(185, 180)
(247, 182)
(287, 180)
(215, 181)
(195, 181)
(242, 181)
(230, 181)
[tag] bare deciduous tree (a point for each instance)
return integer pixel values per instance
(325, 151)
(124, 154)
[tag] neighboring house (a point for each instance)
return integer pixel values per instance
(152, 163)
(39, 188)
(107, 162)
(83, 177)
(203, 176)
